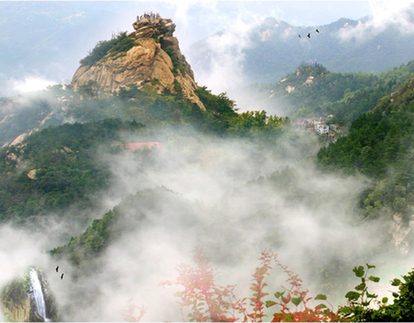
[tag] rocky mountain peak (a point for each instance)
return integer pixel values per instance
(148, 57)
(152, 25)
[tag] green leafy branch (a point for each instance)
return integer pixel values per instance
(360, 299)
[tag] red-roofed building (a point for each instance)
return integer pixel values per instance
(133, 146)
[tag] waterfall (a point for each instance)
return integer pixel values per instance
(38, 294)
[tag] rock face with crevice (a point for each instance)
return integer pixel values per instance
(154, 61)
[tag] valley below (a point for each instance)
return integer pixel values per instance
(132, 193)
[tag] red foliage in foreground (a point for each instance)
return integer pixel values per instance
(207, 301)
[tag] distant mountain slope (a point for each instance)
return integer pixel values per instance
(312, 91)
(380, 146)
(273, 49)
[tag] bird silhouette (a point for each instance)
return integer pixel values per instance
(308, 35)
(317, 31)
(61, 276)
(299, 36)
(57, 269)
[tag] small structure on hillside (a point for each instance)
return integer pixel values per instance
(334, 127)
(321, 129)
(134, 146)
(320, 126)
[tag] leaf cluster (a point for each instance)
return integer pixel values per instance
(209, 302)
(177, 63)
(206, 300)
(360, 301)
(257, 126)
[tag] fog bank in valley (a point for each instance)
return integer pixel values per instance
(233, 199)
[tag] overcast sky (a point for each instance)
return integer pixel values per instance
(294, 12)
(197, 19)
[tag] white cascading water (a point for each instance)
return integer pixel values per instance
(38, 294)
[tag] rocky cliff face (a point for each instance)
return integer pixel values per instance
(154, 61)
(19, 305)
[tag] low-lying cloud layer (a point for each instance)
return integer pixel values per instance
(229, 197)
(385, 15)
(30, 84)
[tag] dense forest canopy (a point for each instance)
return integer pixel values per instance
(379, 145)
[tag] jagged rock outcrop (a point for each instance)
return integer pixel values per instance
(154, 60)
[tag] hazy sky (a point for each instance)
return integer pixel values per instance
(305, 12)
(294, 12)
(199, 19)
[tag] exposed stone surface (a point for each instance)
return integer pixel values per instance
(18, 305)
(155, 60)
(32, 174)
(19, 139)
(402, 233)
(290, 88)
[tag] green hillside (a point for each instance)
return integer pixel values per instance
(380, 146)
(317, 92)
(57, 167)
(132, 213)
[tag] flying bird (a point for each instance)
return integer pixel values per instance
(300, 36)
(57, 269)
(308, 35)
(317, 31)
(61, 276)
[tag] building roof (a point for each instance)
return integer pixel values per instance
(133, 146)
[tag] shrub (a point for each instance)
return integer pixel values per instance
(360, 300)
(207, 301)
(118, 44)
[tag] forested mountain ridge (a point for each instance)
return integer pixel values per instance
(60, 166)
(274, 49)
(380, 146)
(57, 168)
(313, 91)
(60, 104)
